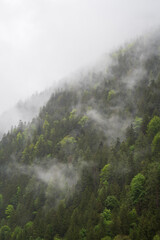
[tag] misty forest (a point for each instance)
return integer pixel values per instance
(87, 167)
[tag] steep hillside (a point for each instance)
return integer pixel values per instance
(88, 167)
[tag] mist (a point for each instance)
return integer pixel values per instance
(55, 176)
(42, 42)
(113, 126)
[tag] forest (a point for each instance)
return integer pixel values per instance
(88, 166)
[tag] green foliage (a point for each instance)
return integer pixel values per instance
(46, 128)
(153, 126)
(106, 214)
(46, 125)
(72, 114)
(67, 140)
(17, 234)
(19, 138)
(111, 94)
(156, 237)
(40, 146)
(106, 238)
(105, 173)
(103, 187)
(83, 121)
(104, 226)
(28, 230)
(82, 234)
(137, 188)
(121, 237)
(133, 218)
(5, 233)
(9, 211)
(112, 202)
(137, 123)
(57, 238)
(156, 143)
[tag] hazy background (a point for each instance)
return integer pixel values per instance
(42, 41)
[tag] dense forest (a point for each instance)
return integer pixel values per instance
(88, 167)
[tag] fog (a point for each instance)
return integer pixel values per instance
(44, 41)
(58, 178)
(61, 174)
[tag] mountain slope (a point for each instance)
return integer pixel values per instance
(88, 166)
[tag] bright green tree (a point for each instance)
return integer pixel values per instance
(5, 233)
(17, 234)
(9, 211)
(153, 127)
(137, 188)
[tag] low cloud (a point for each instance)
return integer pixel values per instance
(113, 126)
(60, 175)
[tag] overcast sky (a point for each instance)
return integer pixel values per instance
(42, 41)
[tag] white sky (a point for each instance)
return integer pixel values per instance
(42, 41)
